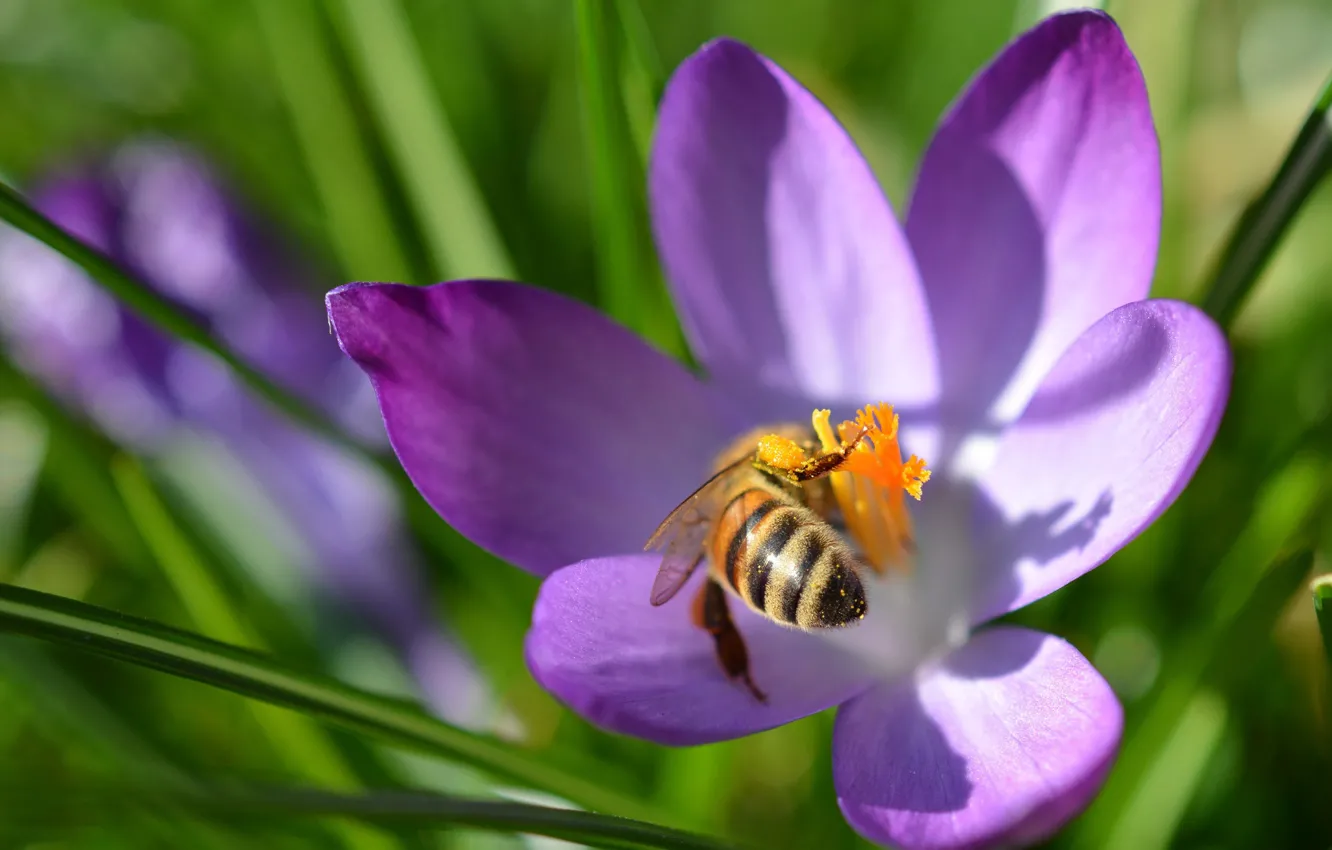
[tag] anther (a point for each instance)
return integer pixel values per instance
(872, 481)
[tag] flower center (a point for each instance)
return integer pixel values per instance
(854, 476)
(863, 463)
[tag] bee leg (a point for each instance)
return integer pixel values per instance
(712, 613)
(827, 462)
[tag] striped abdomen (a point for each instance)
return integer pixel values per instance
(785, 562)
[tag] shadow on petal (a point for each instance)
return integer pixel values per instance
(1107, 443)
(738, 326)
(1018, 648)
(1007, 737)
(788, 267)
(1100, 383)
(1037, 538)
(1008, 281)
(1035, 212)
(1096, 381)
(923, 774)
(969, 544)
(1004, 279)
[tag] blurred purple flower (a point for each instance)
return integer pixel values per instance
(159, 211)
(1007, 320)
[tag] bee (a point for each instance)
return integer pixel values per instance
(766, 532)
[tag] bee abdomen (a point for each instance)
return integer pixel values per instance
(787, 563)
(763, 556)
(810, 581)
(740, 530)
(833, 594)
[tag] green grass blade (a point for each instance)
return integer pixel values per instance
(146, 302)
(75, 467)
(69, 714)
(23, 445)
(1221, 649)
(1322, 600)
(356, 210)
(1158, 804)
(614, 237)
(1234, 613)
(171, 319)
(629, 284)
(416, 809)
(1263, 224)
(98, 630)
(643, 79)
(455, 222)
(80, 474)
(194, 584)
(297, 741)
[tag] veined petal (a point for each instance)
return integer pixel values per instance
(1036, 212)
(1003, 740)
(531, 423)
(788, 267)
(1111, 438)
(598, 645)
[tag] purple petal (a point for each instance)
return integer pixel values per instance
(1002, 741)
(533, 424)
(1111, 438)
(788, 267)
(1036, 212)
(597, 644)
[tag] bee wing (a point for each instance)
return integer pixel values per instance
(683, 533)
(683, 556)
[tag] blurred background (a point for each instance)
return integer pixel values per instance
(246, 157)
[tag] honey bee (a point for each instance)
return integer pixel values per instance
(767, 534)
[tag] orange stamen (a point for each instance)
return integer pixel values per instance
(870, 486)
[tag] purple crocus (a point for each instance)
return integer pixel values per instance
(158, 209)
(1006, 320)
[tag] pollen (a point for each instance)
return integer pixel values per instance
(779, 452)
(871, 486)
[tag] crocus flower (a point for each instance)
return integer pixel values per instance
(1061, 412)
(158, 210)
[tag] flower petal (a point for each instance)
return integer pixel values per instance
(531, 423)
(597, 644)
(1111, 438)
(1036, 212)
(1004, 740)
(788, 266)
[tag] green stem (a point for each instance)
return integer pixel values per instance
(1264, 223)
(418, 809)
(98, 630)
